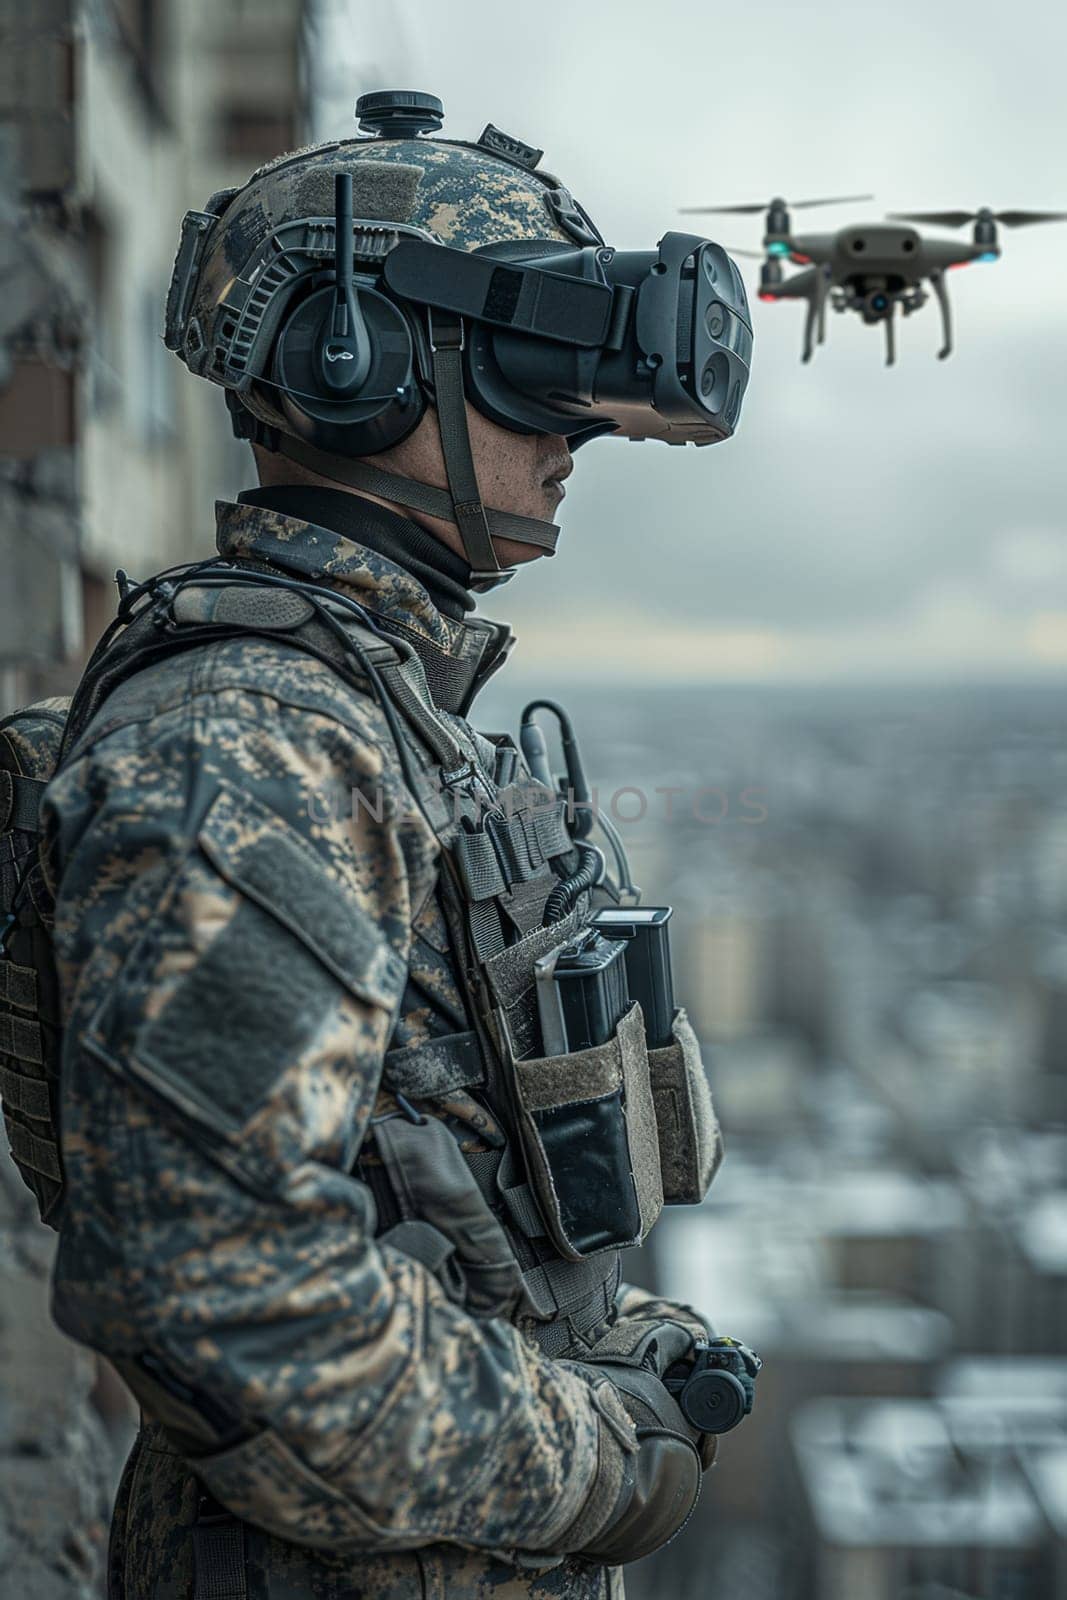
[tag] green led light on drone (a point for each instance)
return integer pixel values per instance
(779, 248)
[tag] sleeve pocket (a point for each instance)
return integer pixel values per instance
(240, 970)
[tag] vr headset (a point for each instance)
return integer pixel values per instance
(648, 343)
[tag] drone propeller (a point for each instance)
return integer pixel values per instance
(1023, 219)
(753, 255)
(959, 219)
(765, 205)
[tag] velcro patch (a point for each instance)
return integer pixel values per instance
(266, 986)
(240, 1017)
(281, 873)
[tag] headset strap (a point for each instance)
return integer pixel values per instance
(461, 502)
(446, 342)
(416, 496)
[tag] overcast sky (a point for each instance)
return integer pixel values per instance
(865, 522)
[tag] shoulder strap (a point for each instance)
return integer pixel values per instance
(218, 603)
(20, 801)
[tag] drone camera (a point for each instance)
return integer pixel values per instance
(876, 305)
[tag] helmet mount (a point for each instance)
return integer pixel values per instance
(399, 113)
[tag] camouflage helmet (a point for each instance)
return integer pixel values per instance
(466, 195)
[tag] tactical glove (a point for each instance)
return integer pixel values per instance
(661, 1479)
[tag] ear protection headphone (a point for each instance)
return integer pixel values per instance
(344, 360)
(354, 372)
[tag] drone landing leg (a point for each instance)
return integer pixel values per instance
(809, 328)
(937, 279)
(816, 317)
(890, 339)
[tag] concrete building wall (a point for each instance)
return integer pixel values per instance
(116, 116)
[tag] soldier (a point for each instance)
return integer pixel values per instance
(317, 1207)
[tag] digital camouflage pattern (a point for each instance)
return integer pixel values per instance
(233, 964)
(152, 1553)
(463, 197)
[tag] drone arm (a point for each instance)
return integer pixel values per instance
(798, 286)
(937, 280)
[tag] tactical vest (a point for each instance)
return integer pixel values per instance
(596, 1141)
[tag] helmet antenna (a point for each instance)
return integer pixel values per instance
(344, 346)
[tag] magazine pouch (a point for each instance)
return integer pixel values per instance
(590, 1139)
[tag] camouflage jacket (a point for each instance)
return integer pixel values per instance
(233, 966)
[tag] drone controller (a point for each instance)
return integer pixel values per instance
(715, 1390)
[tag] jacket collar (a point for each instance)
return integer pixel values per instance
(458, 655)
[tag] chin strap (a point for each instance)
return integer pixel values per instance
(461, 502)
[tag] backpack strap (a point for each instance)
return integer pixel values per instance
(258, 600)
(30, 1028)
(20, 801)
(18, 986)
(218, 602)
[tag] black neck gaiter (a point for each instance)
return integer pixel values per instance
(444, 575)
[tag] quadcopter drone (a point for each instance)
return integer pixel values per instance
(871, 268)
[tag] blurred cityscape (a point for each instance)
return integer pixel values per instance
(871, 935)
(871, 922)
